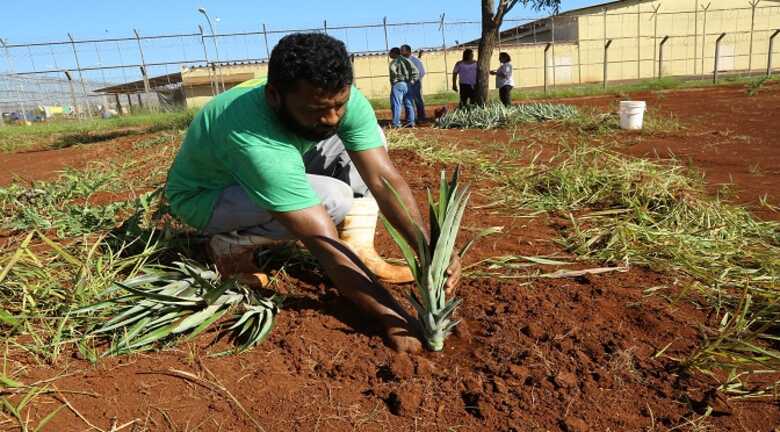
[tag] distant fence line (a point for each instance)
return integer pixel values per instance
(565, 49)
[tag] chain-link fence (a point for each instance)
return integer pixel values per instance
(606, 43)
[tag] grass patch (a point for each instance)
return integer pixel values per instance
(67, 241)
(65, 132)
(755, 85)
(65, 206)
(592, 122)
(42, 279)
(154, 141)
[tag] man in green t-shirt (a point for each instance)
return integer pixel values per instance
(294, 158)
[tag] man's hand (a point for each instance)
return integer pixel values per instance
(453, 275)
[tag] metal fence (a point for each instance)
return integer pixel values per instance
(601, 45)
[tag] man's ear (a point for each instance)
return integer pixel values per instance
(273, 96)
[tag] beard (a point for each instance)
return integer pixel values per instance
(312, 133)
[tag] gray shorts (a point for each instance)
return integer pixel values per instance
(331, 174)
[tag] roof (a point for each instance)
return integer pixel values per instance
(138, 86)
(607, 5)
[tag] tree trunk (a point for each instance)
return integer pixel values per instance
(486, 45)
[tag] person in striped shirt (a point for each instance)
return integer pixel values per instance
(403, 75)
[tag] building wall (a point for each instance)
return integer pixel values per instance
(635, 31)
(635, 51)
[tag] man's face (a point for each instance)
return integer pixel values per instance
(405, 52)
(313, 113)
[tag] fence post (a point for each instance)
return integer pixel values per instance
(72, 91)
(769, 55)
(704, 37)
(143, 61)
(661, 57)
(10, 61)
(696, 38)
(753, 5)
(81, 76)
(387, 41)
(717, 58)
(606, 61)
(579, 64)
(638, 41)
(655, 37)
(444, 50)
(579, 61)
(206, 57)
(265, 38)
(325, 26)
(552, 39)
(546, 48)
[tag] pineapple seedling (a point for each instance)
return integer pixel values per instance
(182, 300)
(497, 115)
(429, 260)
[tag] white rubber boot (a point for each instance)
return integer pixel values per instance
(234, 253)
(358, 230)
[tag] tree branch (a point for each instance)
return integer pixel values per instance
(512, 4)
(504, 6)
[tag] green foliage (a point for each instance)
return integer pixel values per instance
(497, 115)
(429, 260)
(184, 299)
(754, 86)
(43, 278)
(63, 205)
(165, 138)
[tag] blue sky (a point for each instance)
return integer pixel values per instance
(48, 20)
(45, 20)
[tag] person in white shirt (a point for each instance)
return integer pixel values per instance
(416, 88)
(504, 82)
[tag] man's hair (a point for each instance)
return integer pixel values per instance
(506, 56)
(468, 54)
(395, 51)
(406, 47)
(314, 57)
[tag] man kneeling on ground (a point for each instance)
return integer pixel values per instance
(300, 157)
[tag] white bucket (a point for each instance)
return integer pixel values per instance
(631, 114)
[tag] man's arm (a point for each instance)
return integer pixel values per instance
(315, 229)
(375, 168)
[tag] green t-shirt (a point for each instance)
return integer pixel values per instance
(238, 139)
